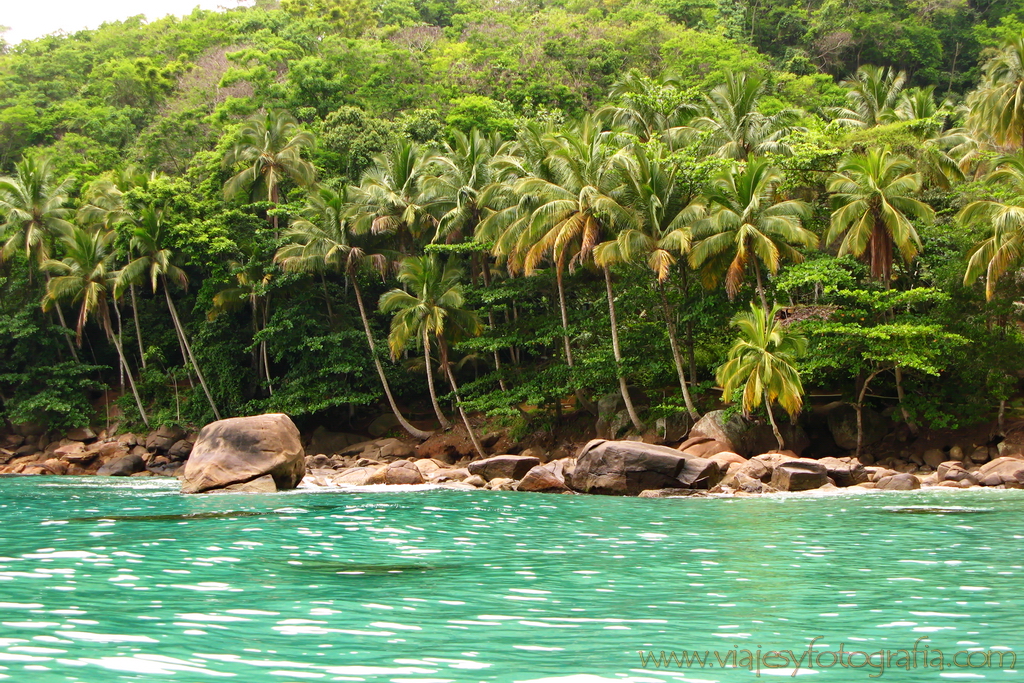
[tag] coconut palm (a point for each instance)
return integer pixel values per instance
(737, 128)
(571, 218)
(1004, 248)
(269, 148)
(872, 194)
(647, 107)
(762, 362)
(156, 263)
(86, 277)
(748, 227)
(320, 240)
(389, 196)
(874, 94)
(32, 204)
(662, 233)
(432, 309)
(997, 106)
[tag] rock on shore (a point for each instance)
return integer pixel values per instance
(242, 449)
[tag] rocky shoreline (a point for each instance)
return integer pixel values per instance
(266, 453)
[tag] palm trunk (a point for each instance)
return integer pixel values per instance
(760, 286)
(445, 424)
(184, 354)
(677, 357)
(900, 395)
(490, 320)
(138, 327)
(623, 388)
(771, 418)
(585, 403)
(188, 348)
(458, 402)
(418, 433)
(63, 324)
(263, 345)
(124, 363)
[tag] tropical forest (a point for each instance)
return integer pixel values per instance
(493, 215)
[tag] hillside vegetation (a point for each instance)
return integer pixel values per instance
(338, 208)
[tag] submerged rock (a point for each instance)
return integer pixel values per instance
(241, 449)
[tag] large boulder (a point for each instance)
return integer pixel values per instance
(503, 466)
(899, 482)
(1004, 470)
(549, 478)
(398, 472)
(799, 475)
(163, 438)
(122, 467)
(847, 471)
(242, 449)
(732, 432)
(629, 467)
(842, 423)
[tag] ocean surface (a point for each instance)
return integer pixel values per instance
(126, 580)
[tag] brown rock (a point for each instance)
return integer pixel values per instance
(542, 478)
(55, 466)
(672, 493)
(503, 466)
(1002, 470)
(933, 457)
(128, 439)
(264, 484)
(980, 455)
(180, 450)
(707, 448)
(241, 449)
(163, 438)
(502, 484)
(727, 458)
(899, 482)
(122, 467)
(81, 434)
(355, 476)
(475, 480)
(629, 467)
(71, 449)
(846, 471)
(402, 472)
(799, 475)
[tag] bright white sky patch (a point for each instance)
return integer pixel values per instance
(41, 17)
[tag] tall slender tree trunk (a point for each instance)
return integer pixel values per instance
(445, 424)
(458, 402)
(584, 402)
(677, 357)
(690, 357)
(860, 411)
(263, 346)
(124, 363)
(760, 286)
(188, 347)
(138, 327)
(623, 388)
(63, 323)
(418, 433)
(771, 418)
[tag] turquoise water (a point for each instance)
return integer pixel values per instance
(116, 580)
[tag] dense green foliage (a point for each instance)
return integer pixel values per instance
(207, 211)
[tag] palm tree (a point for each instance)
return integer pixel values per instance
(665, 214)
(269, 147)
(320, 240)
(434, 309)
(647, 107)
(157, 262)
(389, 196)
(874, 94)
(571, 218)
(762, 361)
(33, 206)
(86, 277)
(1004, 248)
(872, 195)
(748, 226)
(736, 126)
(997, 106)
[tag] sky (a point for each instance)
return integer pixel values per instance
(35, 18)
